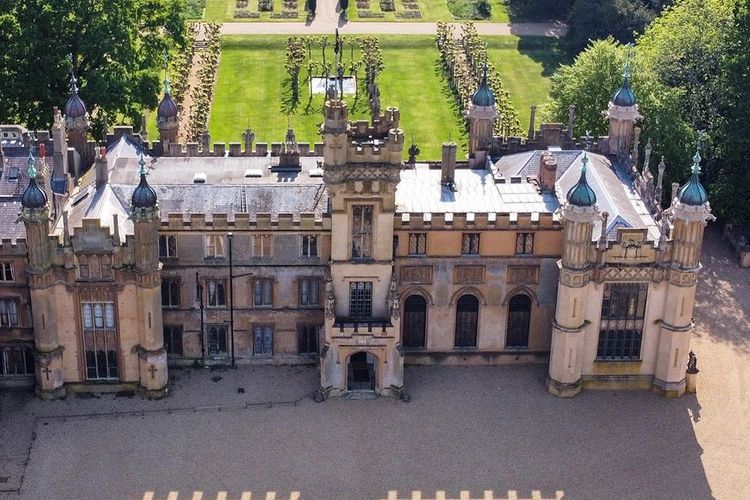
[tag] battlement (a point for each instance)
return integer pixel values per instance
(242, 221)
(476, 221)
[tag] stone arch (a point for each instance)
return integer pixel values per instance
(521, 290)
(468, 290)
(416, 290)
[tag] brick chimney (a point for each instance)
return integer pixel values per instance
(547, 172)
(102, 169)
(448, 165)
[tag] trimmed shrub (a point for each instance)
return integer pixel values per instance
(265, 5)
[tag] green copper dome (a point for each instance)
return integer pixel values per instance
(624, 95)
(483, 96)
(34, 196)
(144, 195)
(581, 195)
(693, 193)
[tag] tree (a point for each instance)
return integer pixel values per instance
(116, 49)
(600, 19)
(589, 84)
(729, 193)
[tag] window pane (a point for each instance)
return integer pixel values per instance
(529, 243)
(110, 315)
(313, 246)
(98, 316)
(88, 321)
(267, 292)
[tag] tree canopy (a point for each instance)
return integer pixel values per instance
(691, 69)
(116, 48)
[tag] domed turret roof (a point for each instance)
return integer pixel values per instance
(167, 107)
(34, 196)
(692, 192)
(144, 195)
(75, 108)
(624, 96)
(483, 96)
(581, 195)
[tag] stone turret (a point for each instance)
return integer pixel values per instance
(77, 121)
(167, 118)
(335, 130)
(579, 214)
(151, 353)
(622, 113)
(482, 114)
(689, 213)
(35, 216)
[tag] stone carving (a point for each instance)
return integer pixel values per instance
(416, 274)
(394, 298)
(468, 274)
(330, 299)
(692, 366)
(523, 275)
(574, 280)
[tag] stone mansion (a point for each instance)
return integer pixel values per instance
(133, 256)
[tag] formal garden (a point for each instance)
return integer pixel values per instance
(356, 10)
(255, 83)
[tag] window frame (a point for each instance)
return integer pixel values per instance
(214, 246)
(265, 245)
(27, 360)
(174, 289)
(313, 283)
(9, 312)
(363, 234)
(309, 246)
(305, 333)
(266, 292)
(167, 239)
(222, 333)
(99, 324)
(462, 323)
(417, 242)
(622, 321)
(266, 332)
(365, 296)
(219, 294)
(7, 269)
(468, 243)
(170, 340)
(524, 243)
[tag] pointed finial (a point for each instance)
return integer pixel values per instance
(166, 72)
(73, 80)
(32, 164)
(696, 169)
(627, 71)
(142, 163)
(584, 163)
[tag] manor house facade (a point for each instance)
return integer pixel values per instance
(134, 256)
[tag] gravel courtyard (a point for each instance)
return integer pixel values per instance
(466, 429)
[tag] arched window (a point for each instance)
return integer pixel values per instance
(519, 316)
(415, 321)
(467, 315)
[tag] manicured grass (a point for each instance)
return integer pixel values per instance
(251, 83)
(431, 11)
(250, 90)
(525, 65)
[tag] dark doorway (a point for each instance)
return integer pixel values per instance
(519, 316)
(467, 317)
(361, 373)
(415, 322)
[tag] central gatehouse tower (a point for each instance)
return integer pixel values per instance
(362, 166)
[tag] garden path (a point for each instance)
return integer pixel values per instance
(327, 21)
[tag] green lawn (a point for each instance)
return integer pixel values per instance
(250, 84)
(250, 89)
(525, 65)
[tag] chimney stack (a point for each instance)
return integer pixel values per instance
(547, 172)
(448, 165)
(102, 169)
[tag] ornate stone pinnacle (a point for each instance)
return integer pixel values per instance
(32, 165)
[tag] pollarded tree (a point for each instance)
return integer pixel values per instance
(117, 52)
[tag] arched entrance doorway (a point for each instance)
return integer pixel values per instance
(519, 317)
(361, 372)
(467, 318)
(414, 322)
